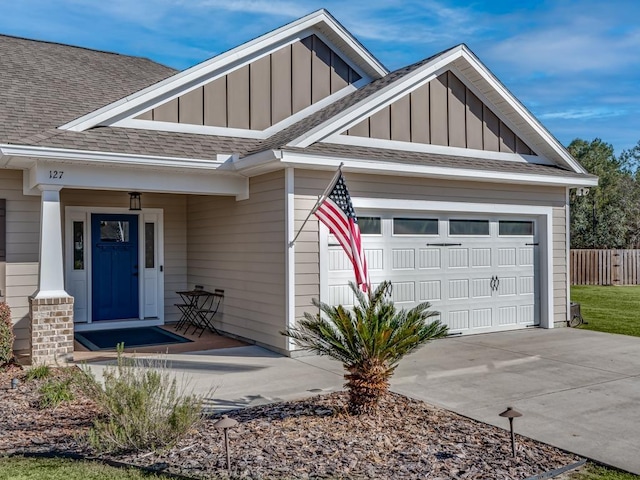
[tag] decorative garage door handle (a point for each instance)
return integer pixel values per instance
(495, 283)
(444, 244)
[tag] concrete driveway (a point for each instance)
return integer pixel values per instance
(578, 390)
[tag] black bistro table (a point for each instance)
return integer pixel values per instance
(197, 309)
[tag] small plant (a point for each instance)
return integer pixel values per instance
(54, 392)
(6, 335)
(369, 340)
(38, 373)
(144, 407)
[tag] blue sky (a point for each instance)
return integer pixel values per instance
(574, 64)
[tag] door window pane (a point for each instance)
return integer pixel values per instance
(514, 227)
(114, 231)
(149, 245)
(78, 245)
(370, 225)
(468, 227)
(415, 226)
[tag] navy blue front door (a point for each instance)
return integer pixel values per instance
(114, 252)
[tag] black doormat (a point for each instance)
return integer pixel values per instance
(131, 337)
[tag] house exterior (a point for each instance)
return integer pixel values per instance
(461, 194)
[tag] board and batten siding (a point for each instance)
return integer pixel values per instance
(442, 112)
(240, 247)
(22, 252)
(309, 184)
(264, 92)
(175, 234)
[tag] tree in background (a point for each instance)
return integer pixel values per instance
(609, 216)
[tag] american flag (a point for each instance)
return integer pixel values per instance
(336, 212)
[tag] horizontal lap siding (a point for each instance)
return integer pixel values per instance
(23, 239)
(239, 246)
(175, 234)
(309, 184)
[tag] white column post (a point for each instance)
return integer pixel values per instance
(51, 262)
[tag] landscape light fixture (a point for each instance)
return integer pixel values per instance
(135, 204)
(510, 413)
(224, 424)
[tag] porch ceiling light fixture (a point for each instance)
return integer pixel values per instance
(135, 204)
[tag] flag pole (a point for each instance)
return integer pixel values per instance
(318, 202)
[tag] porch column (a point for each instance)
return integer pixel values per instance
(51, 308)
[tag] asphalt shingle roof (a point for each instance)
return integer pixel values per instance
(44, 85)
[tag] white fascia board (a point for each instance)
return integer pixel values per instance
(316, 162)
(435, 149)
(130, 160)
(195, 73)
(377, 100)
(520, 109)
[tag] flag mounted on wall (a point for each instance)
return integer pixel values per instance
(335, 210)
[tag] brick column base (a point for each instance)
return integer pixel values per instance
(51, 330)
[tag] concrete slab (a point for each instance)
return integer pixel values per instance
(578, 390)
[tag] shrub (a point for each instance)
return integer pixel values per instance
(144, 407)
(38, 373)
(6, 334)
(54, 392)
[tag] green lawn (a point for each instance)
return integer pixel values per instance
(609, 309)
(21, 468)
(593, 472)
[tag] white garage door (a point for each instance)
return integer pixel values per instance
(480, 273)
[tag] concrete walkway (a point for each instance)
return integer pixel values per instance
(578, 390)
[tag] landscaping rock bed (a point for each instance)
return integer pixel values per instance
(311, 438)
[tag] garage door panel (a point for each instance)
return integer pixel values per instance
(481, 257)
(429, 258)
(458, 320)
(403, 259)
(507, 286)
(375, 259)
(404, 292)
(458, 289)
(481, 318)
(527, 285)
(507, 315)
(526, 314)
(458, 258)
(527, 257)
(506, 257)
(481, 288)
(478, 283)
(341, 295)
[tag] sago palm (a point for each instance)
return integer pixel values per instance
(369, 339)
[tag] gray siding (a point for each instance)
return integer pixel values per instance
(22, 252)
(239, 246)
(175, 234)
(264, 92)
(442, 112)
(309, 184)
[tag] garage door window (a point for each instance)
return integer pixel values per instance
(469, 227)
(515, 228)
(370, 225)
(415, 226)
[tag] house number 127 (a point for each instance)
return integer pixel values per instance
(55, 174)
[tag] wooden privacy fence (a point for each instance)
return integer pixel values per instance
(605, 267)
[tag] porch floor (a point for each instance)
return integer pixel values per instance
(208, 341)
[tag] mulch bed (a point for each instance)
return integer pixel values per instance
(311, 438)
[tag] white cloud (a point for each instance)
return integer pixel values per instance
(583, 114)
